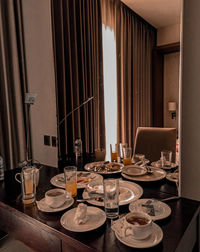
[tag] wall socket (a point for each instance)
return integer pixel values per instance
(47, 140)
(53, 141)
(50, 140)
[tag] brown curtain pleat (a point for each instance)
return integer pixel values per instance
(77, 34)
(134, 62)
(12, 119)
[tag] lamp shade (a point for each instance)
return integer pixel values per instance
(172, 106)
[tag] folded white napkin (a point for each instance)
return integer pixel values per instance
(119, 227)
(81, 214)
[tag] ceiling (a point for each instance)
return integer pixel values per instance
(159, 13)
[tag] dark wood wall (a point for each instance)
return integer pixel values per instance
(157, 81)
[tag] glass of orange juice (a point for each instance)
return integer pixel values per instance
(127, 154)
(114, 152)
(70, 174)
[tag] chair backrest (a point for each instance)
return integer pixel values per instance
(150, 141)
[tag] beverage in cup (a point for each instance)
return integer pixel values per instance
(70, 174)
(28, 183)
(127, 151)
(114, 152)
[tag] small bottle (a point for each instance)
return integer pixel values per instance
(78, 147)
(1, 169)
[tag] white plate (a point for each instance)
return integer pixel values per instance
(157, 174)
(91, 166)
(129, 192)
(151, 241)
(161, 209)
(173, 177)
(83, 178)
(96, 218)
(42, 206)
(159, 165)
(133, 170)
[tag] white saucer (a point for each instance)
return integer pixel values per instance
(161, 209)
(159, 165)
(96, 218)
(173, 177)
(42, 206)
(151, 241)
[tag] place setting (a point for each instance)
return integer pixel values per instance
(165, 161)
(55, 200)
(83, 218)
(104, 167)
(83, 178)
(155, 208)
(137, 230)
(173, 176)
(143, 174)
(128, 192)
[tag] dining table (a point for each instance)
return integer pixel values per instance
(43, 231)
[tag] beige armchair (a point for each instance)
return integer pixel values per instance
(150, 141)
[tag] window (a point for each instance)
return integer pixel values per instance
(110, 87)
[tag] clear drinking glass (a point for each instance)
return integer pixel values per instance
(111, 197)
(127, 154)
(114, 152)
(70, 174)
(121, 146)
(166, 158)
(28, 184)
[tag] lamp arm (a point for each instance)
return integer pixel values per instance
(67, 115)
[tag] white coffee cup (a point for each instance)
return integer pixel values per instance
(56, 197)
(138, 225)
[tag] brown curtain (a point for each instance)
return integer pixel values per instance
(77, 30)
(134, 69)
(12, 79)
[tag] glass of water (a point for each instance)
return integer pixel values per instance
(111, 197)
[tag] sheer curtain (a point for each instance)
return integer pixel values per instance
(77, 30)
(135, 40)
(12, 85)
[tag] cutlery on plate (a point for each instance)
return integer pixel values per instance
(86, 199)
(170, 198)
(149, 170)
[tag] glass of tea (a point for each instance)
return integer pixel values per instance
(114, 152)
(127, 155)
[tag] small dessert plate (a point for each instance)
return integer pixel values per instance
(96, 218)
(173, 177)
(42, 206)
(151, 241)
(156, 209)
(133, 170)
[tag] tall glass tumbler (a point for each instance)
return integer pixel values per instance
(114, 152)
(127, 155)
(111, 197)
(70, 174)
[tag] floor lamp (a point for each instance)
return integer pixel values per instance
(69, 114)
